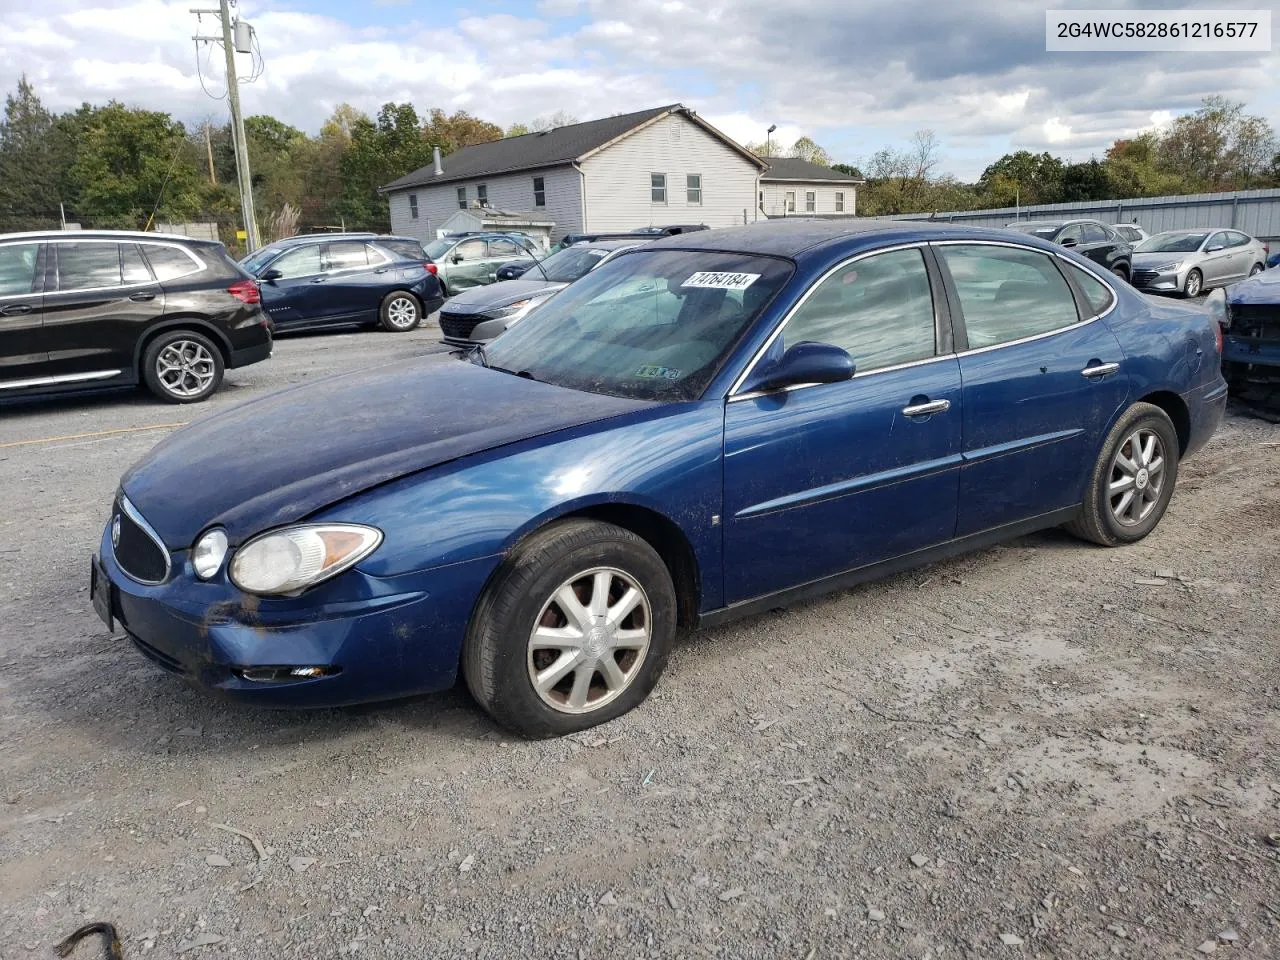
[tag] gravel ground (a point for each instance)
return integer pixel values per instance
(1040, 750)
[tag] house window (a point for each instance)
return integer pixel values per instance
(810, 201)
(839, 201)
(482, 195)
(693, 186)
(791, 201)
(761, 199)
(462, 198)
(658, 187)
(413, 206)
(539, 192)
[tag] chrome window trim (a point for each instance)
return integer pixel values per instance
(61, 378)
(137, 518)
(734, 397)
(10, 241)
(200, 264)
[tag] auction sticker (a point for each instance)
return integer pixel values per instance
(711, 280)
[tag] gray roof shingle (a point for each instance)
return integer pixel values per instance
(789, 168)
(530, 151)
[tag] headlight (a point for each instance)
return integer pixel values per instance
(517, 309)
(1173, 265)
(294, 558)
(208, 553)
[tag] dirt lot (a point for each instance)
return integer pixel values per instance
(1041, 750)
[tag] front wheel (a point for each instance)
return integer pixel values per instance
(574, 630)
(182, 366)
(1195, 283)
(1121, 272)
(1132, 481)
(400, 312)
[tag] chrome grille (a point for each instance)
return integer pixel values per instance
(1142, 277)
(459, 325)
(138, 549)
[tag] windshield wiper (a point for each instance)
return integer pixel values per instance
(478, 351)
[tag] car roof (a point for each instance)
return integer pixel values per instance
(318, 238)
(101, 235)
(790, 238)
(615, 243)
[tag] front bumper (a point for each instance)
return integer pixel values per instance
(1157, 282)
(376, 638)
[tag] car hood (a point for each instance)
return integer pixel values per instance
(1149, 260)
(501, 294)
(280, 458)
(1261, 288)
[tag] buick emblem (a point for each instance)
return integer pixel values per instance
(115, 530)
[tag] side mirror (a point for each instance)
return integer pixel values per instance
(1069, 242)
(456, 258)
(806, 362)
(270, 276)
(1214, 248)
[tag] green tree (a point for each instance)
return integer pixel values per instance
(806, 149)
(451, 132)
(31, 162)
(1023, 176)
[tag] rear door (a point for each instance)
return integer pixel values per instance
(1098, 244)
(356, 275)
(1216, 265)
(502, 251)
(102, 297)
(1043, 379)
(296, 297)
(23, 354)
(1240, 247)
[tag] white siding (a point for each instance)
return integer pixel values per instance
(511, 191)
(775, 192)
(618, 185)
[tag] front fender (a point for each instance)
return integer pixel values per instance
(666, 459)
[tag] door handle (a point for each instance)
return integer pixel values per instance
(382, 270)
(143, 297)
(16, 309)
(318, 279)
(1099, 370)
(926, 409)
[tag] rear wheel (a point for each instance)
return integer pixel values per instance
(574, 630)
(1195, 284)
(182, 366)
(400, 312)
(1133, 479)
(1256, 269)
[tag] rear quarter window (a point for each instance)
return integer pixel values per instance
(1095, 291)
(169, 263)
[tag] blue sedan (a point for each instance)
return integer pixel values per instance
(707, 426)
(345, 280)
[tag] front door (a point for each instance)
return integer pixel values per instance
(468, 265)
(23, 355)
(827, 478)
(100, 295)
(1041, 385)
(295, 296)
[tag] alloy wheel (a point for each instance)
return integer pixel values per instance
(186, 368)
(1255, 270)
(402, 312)
(590, 640)
(1137, 477)
(1193, 284)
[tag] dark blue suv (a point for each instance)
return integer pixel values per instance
(343, 280)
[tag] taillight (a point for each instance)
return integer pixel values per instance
(1217, 337)
(246, 291)
(431, 267)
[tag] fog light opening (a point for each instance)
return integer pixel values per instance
(285, 674)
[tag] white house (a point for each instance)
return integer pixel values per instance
(798, 188)
(661, 166)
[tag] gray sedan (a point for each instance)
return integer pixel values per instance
(480, 314)
(1193, 261)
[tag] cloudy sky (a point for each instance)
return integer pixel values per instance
(853, 74)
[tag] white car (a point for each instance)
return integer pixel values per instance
(1130, 232)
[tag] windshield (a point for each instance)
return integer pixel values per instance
(655, 325)
(259, 258)
(1045, 230)
(438, 248)
(1172, 243)
(567, 265)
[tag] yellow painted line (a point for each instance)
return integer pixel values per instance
(100, 433)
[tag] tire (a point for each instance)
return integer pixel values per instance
(1256, 269)
(1194, 285)
(182, 366)
(1121, 272)
(1100, 519)
(501, 656)
(400, 312)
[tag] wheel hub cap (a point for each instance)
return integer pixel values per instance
(1141, 479)
(1137, 477)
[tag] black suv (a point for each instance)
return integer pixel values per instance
(109, 308)
(1089, 238)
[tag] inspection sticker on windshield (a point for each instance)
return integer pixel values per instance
(712, 280)
(653, 370)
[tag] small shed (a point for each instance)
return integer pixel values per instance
(476, 218)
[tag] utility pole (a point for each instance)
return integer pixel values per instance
(208, 146)
(245, 182)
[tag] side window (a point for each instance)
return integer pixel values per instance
(1095, 291)
(1219, 239)
(471, 250)
(1238, 239)
(879, 309)
(168, 263)
(132, 267)
(18, 268)
(504, 248)
(85, 266)
(346, 255)
(1072, 232)
(1008, 294)
(1095, 233)
(303, 262)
